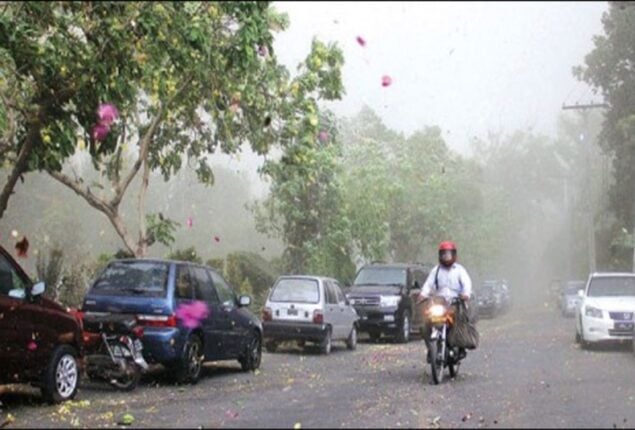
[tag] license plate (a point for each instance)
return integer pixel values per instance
(389, 318)
(292, 312)
(623, 326)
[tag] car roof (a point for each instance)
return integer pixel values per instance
(310, 277)
(613, 274)
(161, 260)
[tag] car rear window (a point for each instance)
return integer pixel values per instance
(133, 278)
(296, 291)
(612, 287)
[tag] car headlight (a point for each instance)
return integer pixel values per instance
(389, 301)
(592, 312)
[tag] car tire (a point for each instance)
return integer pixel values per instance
(189, 368)
(327, 343)
(583, 343)
(252, 356)
(351, 342)
(403, 336)
(271, 346)
(61, 377)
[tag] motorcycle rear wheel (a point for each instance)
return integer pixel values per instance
(436, 365)
(129, 382)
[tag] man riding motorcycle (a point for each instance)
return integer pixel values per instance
(448, 279)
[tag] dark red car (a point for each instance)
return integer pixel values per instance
(40, 342)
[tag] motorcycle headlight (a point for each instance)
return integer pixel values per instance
(389, 301)
(592, 312)
(437, 310)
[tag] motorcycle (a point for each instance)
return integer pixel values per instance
(114, 350)
(441, 317)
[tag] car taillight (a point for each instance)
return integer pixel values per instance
(138, 332)
(318, 317)
(266, 314)
(157, 320)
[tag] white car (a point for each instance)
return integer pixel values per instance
(308, 309)
(606, 308)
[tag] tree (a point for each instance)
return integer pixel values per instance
(306, 206)
(187, 79)
(609, 69)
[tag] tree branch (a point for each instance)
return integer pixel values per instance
(18, 168)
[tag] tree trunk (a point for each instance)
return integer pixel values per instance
(142, 246)
(18, 169)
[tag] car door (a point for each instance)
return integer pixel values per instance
(205, 292)
(227, 318)
(332, 310)
(348, 316)
(15, 329)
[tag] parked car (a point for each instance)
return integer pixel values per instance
(155, 291)
(569, 299)
(503, 294)
(40, 342)
(308, 309)
(606, 309)
(486, 300)
(385, 295)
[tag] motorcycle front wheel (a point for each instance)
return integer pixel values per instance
(436, 362)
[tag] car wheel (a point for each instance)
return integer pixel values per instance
(583, 343)
(326, 344)
(253, 354)
(189, 368)
(271, 346)
(403, 336)
(351, 342)
(61, 377)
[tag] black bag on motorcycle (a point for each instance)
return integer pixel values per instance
(463, 334)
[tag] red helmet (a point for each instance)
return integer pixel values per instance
(447, 246)
(447, 258)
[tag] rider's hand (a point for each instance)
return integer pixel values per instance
(464, 297)
(421, 299)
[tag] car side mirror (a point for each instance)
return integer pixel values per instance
(17, 293)
(244, 301)
(38, 289)
(581, 294)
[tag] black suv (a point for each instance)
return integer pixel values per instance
(384, 296)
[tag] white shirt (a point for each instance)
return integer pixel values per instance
(452, 281)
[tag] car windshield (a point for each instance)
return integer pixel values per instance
(612, 287)
(381, 276)
(133, 278)
(296, 291)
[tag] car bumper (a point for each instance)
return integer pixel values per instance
(383, 319)
(286, 330)
(597, 330)
(161, 345)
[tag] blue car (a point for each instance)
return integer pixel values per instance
(166, 296)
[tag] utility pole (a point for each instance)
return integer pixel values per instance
(589, 200)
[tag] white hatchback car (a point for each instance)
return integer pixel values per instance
(308, 309)
(606, 308)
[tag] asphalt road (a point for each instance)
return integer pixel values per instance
(527, 372)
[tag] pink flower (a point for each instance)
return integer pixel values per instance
(31, 346)
(100, 131)
(192, 314)
(263, 51)
(189, 222)
(323, 136)
(386, 81)
(107, 113)
(361, 41)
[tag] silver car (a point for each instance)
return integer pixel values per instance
(308, 309)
